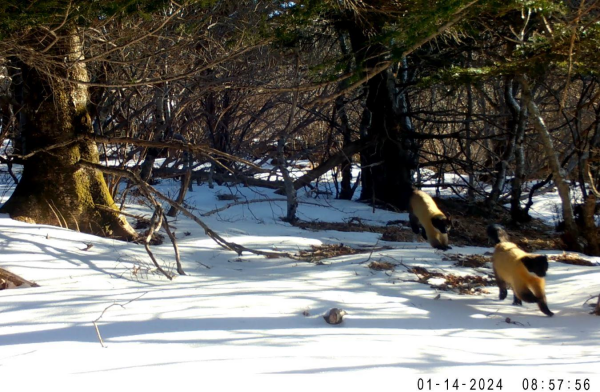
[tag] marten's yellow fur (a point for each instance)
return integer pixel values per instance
(523, 272)
(427, 219)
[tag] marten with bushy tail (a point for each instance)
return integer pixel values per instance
(523, 272)
(427, 219)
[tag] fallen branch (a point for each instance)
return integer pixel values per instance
(167, 230)
(155, 224)
(149, 190)
(8, 276)
(596, 310)
(237, 203)
(335, 160)
(175, 247)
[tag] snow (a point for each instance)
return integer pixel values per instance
(252, 318)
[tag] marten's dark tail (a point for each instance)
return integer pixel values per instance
(497, 234)
(544, 308)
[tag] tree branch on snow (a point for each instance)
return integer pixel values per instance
(211, 175)
(239, 203)
(155, 224)
(180, 270)
(148, 189)
(170, 234)
(95, 322)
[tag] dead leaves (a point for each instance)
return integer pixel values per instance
(320, 252)
(381, 266)
(470, 261)
(388, 233)
(571, 258)
(465, 284)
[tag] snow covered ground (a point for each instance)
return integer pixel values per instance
(233, 319)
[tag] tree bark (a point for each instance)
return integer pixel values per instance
(501, 167)
(53, 190)
(391, 162)
(346, 191)
(468, 144)
(519, 120)
(387, 166)
(589, 229)
(157, 134)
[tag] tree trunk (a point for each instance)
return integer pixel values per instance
(288, 183)
(186, 184)
(53, 189)
(571, 231)
(388, 166)
(519, 120)
(589, 229)
(501, 167)
(517, 213)
(366, 190)
(469, 142)
(157, 134)
(346, 191)
(391, 162)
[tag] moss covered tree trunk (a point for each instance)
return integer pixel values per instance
(53, 188)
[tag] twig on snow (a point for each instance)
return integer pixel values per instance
(175, 247)
(95, 322)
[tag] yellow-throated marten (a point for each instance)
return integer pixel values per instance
(523, 272)
(427, 219)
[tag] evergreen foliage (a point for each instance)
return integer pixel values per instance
(17, 15)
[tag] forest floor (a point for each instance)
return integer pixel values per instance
(102, 314)
(469, 222)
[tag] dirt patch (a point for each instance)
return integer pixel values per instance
(469, 222)
(397, 234)
(8, 280)
(227, 197)
(353, 225)
(381, 266)
(478, 261)
(533, 244)
(470, 261)
(320, 252)
(424, 275)
(388, 233)
(572, 258)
